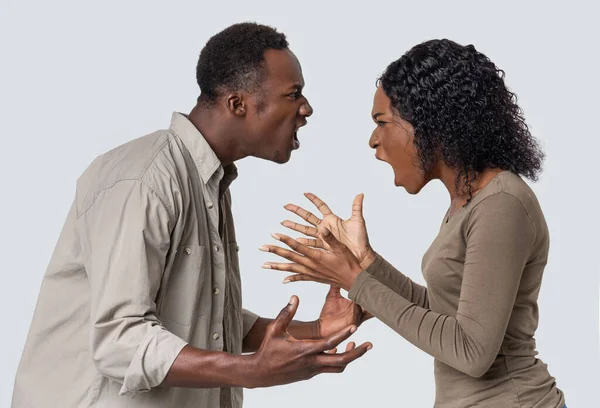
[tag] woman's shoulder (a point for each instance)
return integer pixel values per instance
(507, 197)
(510, 189)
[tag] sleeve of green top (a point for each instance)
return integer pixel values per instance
(391, 277)
(500, 237)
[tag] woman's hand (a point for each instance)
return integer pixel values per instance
(336, 265)
(351, 232)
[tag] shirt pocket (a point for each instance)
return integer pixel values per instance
(181, 300)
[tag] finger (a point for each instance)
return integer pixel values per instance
(331, 370)
(306, 278)
(292, 267)
(320, 204)
(285, 316)
(334, 292)
(297, 247)
(335, 339)
(350, 346)
(357, 207)
(304, 229)
(311, 242)
(343, 359)
(287, 254)
(332, 351)
(302, 213)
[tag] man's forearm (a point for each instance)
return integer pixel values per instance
(299, 330)
(196, 368)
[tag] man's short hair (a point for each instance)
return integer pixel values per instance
(232, 60)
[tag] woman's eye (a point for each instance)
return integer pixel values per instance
(293, 95)
(380, 123)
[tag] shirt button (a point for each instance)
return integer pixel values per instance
(188, 250)
(237, 248)
(216, 247)
(210, 205)
(217, 291)
(216, 336)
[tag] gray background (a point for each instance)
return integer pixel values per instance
(77, 79)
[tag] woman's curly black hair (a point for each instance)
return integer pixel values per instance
(461, 111)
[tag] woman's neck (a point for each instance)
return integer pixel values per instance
(462, 192)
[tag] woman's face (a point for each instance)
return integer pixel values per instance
(392, 140)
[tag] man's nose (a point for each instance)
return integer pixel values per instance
(306, 110)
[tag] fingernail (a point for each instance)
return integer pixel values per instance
(291, 301)
(286, 280)
(276, 236)
(369, 347)
(263, 248)
(353, 329)
(265, 266)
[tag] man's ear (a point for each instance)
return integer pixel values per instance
(236, 104)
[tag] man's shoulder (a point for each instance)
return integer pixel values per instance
(145, 159)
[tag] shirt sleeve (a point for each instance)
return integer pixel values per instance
(249, 319)
(500, 237)
(125, 238)
(391, 277)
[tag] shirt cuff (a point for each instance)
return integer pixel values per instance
(152, 361)
(249, 319)
(375, 265)
(359, 283)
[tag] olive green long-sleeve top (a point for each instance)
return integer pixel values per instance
(478, 314)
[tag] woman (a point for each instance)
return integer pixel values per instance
(443, 112)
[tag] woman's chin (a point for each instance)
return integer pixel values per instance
(399, 183)
(410, 189)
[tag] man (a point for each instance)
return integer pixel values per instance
(141, 303)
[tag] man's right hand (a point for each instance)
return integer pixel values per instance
(282, 359)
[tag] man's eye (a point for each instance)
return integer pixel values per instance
(293, 95)
(380, 123)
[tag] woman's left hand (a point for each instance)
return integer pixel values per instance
(335, 266)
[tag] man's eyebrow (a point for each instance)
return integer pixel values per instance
(297, 86)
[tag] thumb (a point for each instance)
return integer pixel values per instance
(334, 292)
(357, 207)
(365, 315)
(286, 315)
(329, 238)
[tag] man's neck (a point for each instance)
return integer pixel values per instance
(220, 136)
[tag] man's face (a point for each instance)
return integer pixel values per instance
(278, 109)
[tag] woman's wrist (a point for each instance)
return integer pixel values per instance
(368, 259)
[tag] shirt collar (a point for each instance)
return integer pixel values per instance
(204, 157)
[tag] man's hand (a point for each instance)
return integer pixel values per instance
(338, 313)
(282, 359)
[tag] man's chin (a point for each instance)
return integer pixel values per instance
(281, 156)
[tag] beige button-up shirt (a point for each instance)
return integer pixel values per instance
(146, 263)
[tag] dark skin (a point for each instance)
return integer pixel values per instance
(338, 250)
(263, 124)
